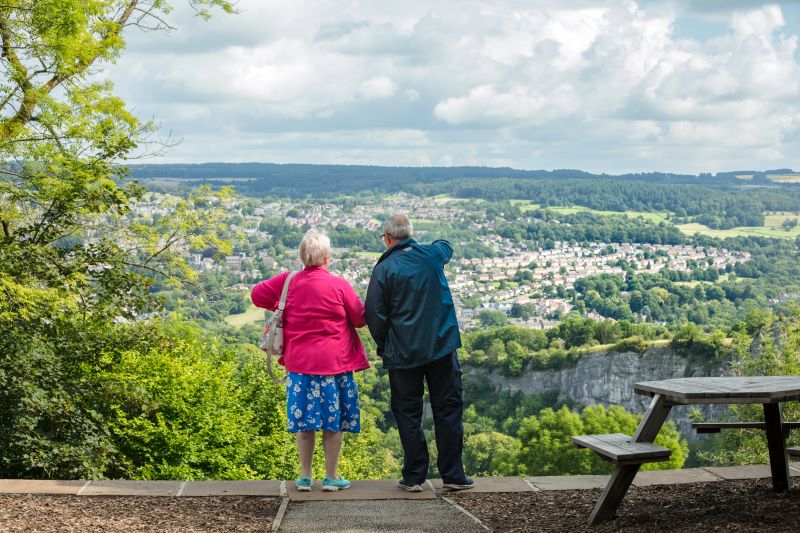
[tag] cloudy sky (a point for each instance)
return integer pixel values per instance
(604, 86)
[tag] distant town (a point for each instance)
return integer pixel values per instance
(510, 273)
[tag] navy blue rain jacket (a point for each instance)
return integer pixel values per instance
(409, 308)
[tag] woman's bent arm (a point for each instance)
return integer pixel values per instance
(267, 294)
(353, 306)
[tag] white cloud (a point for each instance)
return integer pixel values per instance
(411, 95)
(377, 87)
(761, 22)
(603, 85)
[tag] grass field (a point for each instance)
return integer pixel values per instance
(252, 315)
(771, 228)
(723, 277)
(649, 216)
(369, 255)
(657, 343)
(784, 178)
(443, 199)
(526, 205)
(775, 220)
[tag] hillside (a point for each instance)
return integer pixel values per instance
(294, 179)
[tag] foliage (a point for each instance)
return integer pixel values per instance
(631, 344)
(491, 454)
(765, 345)
(45, 429)
(691, 340)
(547, 446)
(88, 386)
(147, 399)
(489, 319)
(514, 349)
(178, 409)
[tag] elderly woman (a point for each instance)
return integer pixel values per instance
(321, 352)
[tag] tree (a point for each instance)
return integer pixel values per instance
(546, 444)
(606, 331)
(767, 346)
(516, 357)
(489, 319)
(523, 311)
(491, 454)
(62, 197)
(73, 269)
(576, 331)
(496, 352)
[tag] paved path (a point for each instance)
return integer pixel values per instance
(370, 490)
(371, 505)
(357, 516)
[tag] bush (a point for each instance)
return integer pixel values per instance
(631, 344)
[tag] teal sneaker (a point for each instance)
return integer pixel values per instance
(304, 484)
(332, 485)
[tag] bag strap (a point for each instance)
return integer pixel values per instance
(285, 291)
(281, 306)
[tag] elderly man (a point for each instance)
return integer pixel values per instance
(410, 314)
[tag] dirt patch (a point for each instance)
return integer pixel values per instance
(124, 514)
(740, 506)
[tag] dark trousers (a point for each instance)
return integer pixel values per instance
(444, 386)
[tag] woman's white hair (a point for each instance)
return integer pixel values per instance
(314, 248)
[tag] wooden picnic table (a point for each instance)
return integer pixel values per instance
(769, 391)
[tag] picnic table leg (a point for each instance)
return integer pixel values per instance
(776, 442)
(621, 479)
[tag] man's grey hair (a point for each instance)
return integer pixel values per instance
(315, 248)
(398, 227)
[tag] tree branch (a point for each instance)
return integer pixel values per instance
(29, 100)
(166, 275)
(170, 241)
(20, 76)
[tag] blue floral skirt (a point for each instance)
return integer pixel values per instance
(327, 403)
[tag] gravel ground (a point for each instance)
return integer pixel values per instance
(123, 514)
(747, 505)
(737, 506)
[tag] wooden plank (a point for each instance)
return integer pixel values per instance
(621, 480)
(670, 389)
(715, 427)
(618, 448)
(657, 412)
(617, 487)
(776, 443)
(758, 389)
(767, 384)
(607, 449)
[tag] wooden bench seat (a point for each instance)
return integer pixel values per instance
(794, 453)
(716, 427)
(618, 448)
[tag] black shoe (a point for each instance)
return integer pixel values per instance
(466, 483)
(408, 486)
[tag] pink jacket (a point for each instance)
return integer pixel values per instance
(319, 322)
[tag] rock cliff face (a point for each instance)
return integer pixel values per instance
(607, 378)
